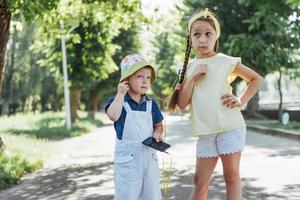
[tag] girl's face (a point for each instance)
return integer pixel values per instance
(139, 82)
(204, 37)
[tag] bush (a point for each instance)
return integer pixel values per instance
(13, 168)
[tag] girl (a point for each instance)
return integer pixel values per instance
(204, 84)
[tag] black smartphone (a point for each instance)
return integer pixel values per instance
(160, 146)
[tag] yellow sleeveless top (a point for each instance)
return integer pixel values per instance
(208, 115)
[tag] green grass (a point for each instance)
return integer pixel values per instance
(45, 126)
(31, 138)
(292, 125)
(13, 167)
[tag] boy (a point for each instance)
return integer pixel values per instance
(136, 117)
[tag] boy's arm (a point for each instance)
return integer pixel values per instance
(158, 128)
(158, 131)
(115, 109)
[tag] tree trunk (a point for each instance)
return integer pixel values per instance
(23, 103)
(280, 96)
(2, 146)
(34, 105)
(93, 104)
(252, 106)
(5, 16)
(75, 101)
(7, 82)
(54, 105)
(5, 107)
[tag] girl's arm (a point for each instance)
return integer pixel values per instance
(185, 94)
(254, 82)
(115, 109)
(158, 131)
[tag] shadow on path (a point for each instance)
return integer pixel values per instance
(181, 187)
(76, 182)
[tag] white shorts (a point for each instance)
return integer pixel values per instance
(227, 142)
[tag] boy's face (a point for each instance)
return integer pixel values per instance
(139, 82)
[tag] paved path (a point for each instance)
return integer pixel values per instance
(84, 169)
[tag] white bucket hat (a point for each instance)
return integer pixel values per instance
(132, 63)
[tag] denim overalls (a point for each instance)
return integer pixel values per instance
(136, 165)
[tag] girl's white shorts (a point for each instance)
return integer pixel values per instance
(228, 142)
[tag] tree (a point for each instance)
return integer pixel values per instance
(129, 42)
(91, 49)
(168, 47)
(25, 8)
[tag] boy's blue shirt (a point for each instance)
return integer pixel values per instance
(157, 116)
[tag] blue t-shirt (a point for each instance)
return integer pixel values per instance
(157, 116)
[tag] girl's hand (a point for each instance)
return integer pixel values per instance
(199, 72)
(158, 136)
(231, 101)
(123, 87)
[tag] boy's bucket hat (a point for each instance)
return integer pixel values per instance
(132, 63)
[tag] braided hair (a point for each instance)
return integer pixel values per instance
(174, 97)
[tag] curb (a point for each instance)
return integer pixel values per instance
(275, 132)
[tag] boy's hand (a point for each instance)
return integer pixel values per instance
(158, 136)
(231, 101)
(123, 87)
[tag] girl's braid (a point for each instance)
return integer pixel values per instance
(186, 59)
(174, 97)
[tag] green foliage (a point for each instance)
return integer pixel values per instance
(264, 33)
(30, 143)
(169, 46)
(90, 48)
(30, 84)
(166, 74)
(29, 9)
(128, 42)
(102, 31)
(12, 168)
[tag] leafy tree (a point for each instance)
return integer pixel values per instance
(25, 8)
(168, 45)
(128, 42)
(27, 86)
(91, 49)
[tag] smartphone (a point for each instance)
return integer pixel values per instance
(160, 146)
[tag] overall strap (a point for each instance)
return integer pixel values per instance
(149, 106)
(127, 107)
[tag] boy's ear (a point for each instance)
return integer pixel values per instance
(127, 83)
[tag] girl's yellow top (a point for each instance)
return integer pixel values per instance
(207, 112)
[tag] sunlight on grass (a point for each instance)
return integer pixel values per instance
(30, 140)
(46, 126)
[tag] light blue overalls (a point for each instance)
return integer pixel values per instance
(136, 165)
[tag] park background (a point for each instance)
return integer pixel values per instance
(98, 34)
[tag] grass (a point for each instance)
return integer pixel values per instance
(261, 120)
(31, 138)
(291, 126)
(13, 167)
(49, 126)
